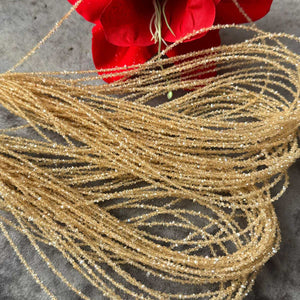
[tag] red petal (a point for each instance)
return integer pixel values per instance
(91, 10)
(185, 16)
(126, 22)
(106, 55)
(211, 39)
(228, 13)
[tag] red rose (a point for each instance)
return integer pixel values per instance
(122, 36)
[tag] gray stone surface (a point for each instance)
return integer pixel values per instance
(22, 25)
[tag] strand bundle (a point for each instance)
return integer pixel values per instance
(133, 190)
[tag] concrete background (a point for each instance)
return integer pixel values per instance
(22, 25)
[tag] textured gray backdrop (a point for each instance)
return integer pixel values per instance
(22, 24)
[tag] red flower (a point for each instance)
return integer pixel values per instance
(122, 32)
